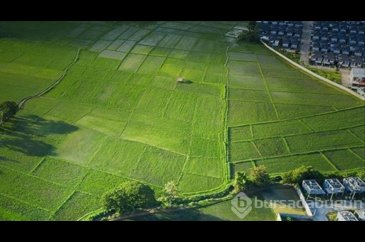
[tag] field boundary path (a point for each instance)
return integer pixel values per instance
(293, 63)
(53, 85)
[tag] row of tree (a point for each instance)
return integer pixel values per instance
(7, 110)
(131, 196)
(299, 174)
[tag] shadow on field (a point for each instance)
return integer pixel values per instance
(27, 134)
(182, 215)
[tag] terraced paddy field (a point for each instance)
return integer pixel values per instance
(119, 114)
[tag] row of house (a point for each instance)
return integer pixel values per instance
(345, 40)
(352, 185)
(282, 34)
(358, 215)
(330, 59)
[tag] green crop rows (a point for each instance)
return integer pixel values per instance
(119, 113)
(281, 118)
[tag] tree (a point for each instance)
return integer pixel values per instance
(253, 34)
(128, 197)
(251, 26)
(240, 182)
(259, 176)
(301, 173)
(170, 193)
(7, 110)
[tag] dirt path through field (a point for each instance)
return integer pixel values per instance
(53, 85)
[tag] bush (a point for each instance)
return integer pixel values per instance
(301, 173)
(241, 182)
(128, 197)
(259, 176)
(7, 110)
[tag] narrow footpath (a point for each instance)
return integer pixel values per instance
(53, 85)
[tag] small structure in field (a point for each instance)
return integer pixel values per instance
(182, 80)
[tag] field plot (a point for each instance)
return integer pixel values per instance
(284, 164)
(13, 209)
(77, 206)
(344, 159)
(119, 114)
(275, 129)
(158, 166)
(240, 133)
(360, 152)
(337, 120)
(243, 151)
(271, 147)
(287, 118)
(247, 95)
(60, 172)
(241, 112)
(246, 82)
(322, 141)
(359, 132)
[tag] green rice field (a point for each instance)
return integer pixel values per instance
(119, 113)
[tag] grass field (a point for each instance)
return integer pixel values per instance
(119, 113)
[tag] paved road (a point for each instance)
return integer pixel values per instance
(305, 43)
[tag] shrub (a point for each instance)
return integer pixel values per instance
(241, 182)
(259, 176)
(7, 110)
(301, 173)
(129, 196)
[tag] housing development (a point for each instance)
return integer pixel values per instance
(163, 120)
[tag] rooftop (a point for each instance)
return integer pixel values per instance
(312, 187)
(358, 72)
(354, 184)
(346, 216)
(333, 186)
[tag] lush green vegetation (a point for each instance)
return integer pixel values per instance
(7, 110)
(307, 172)
(128, 197)
(299, 174)
(281, 118)
(332, 75)
(120, 115)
